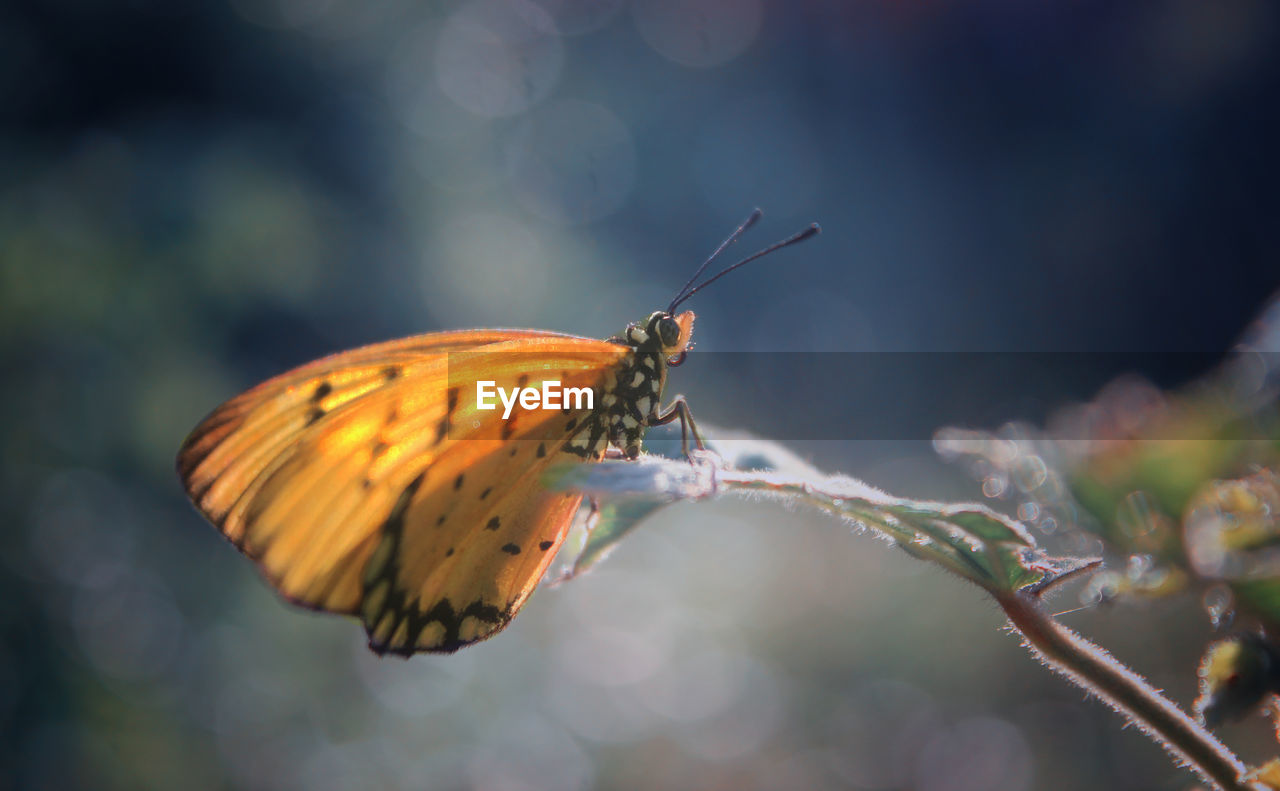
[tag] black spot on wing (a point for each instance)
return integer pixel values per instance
(396, 611)
(392, 529)
(396, 519)
(545, 545)
(388, 559)
(442, 430)
(493, 524)
(511, 549)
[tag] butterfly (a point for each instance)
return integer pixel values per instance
(375, 483)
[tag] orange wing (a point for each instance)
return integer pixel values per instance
(363, 484)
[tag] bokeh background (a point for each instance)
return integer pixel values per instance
(195, 196)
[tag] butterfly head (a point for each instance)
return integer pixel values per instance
(666, 332)
(663, 333)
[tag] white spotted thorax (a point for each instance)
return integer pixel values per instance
(631, 398)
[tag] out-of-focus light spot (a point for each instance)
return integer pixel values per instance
(361, 24)
(574, 17)
(213, 654)
(746, 724)
(416, 97)
(488, 268)
(468, 166)
(498, 58)
(163, 399)
(82, 528)
(802, 769)
(1248, 370)
(995, 486)
(1219, 604)
(979, 754)
(699, 32)
(605, 715)
(413, 689)
(1029, 473)
(700, 683)
(758, 151)
(619, 629)
(526, 751)
(724, 549)
(571, 162)
(876, 732)
(131, 630)
(610, 657)
(333, 767)
(405, 765)
(264, 731)
(263, 229)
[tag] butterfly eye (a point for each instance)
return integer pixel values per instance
(668, 331)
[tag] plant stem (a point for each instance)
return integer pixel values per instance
(976, 544)
(1093, 669)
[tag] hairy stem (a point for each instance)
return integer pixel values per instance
(1093, 669)
(971, 541)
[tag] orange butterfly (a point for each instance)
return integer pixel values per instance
(370, 483)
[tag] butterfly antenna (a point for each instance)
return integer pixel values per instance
(755, 215)
(686, 292)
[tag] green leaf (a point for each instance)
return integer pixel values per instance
(969, 540)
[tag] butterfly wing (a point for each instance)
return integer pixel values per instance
(364, 484)
(467, 542)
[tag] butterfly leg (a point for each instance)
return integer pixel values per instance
(679, 408)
